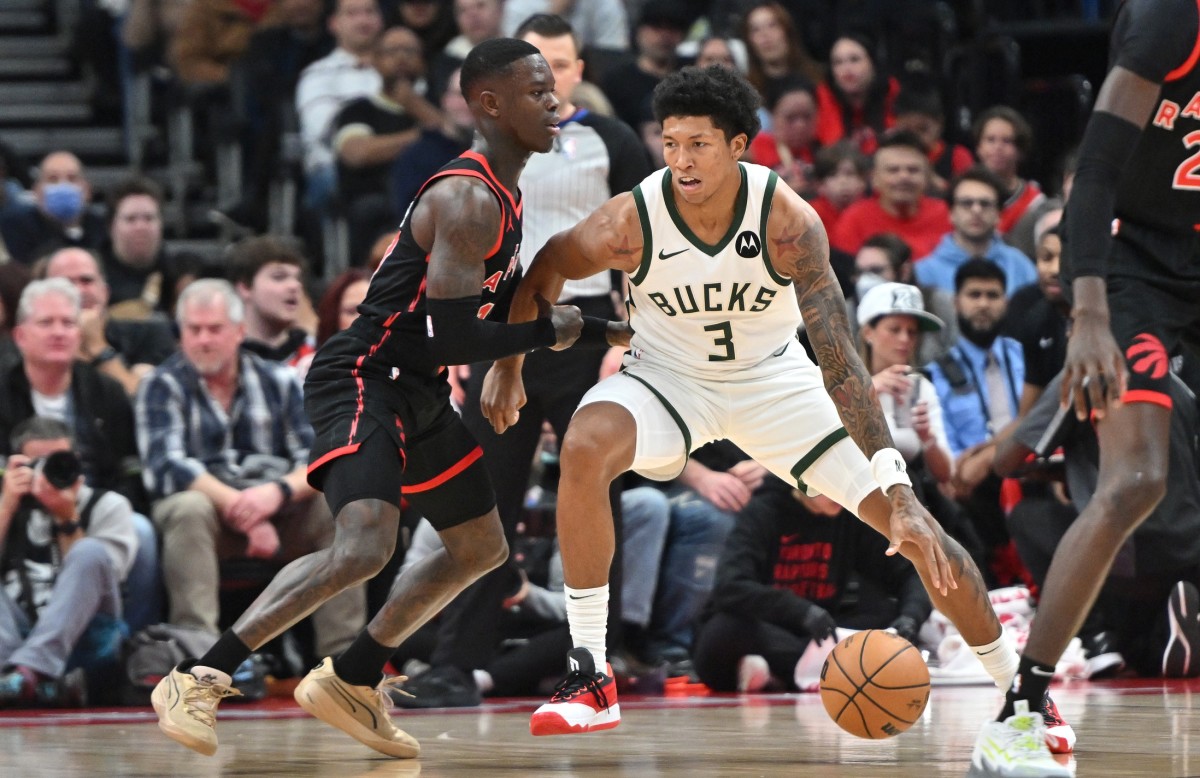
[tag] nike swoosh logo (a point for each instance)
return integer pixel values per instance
(663, 255)
(1046, 342)
(1042, 673)
(584, 597)
(990, 650)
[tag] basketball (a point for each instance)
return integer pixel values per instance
(874, 684)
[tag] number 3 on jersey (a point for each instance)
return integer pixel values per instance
(725, 341)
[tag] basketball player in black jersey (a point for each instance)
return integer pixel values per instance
(1134, 292)
(379, 403)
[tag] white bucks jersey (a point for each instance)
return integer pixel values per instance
(709, 309)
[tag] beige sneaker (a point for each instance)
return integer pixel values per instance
(359, 711)
(187, 707)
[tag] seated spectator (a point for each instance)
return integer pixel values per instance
(268, 273)
(899, 205)
(789, 147)
(135, 260)
(214, 33)
(885, 257)
(1159, 558)
(660, 29)
(370, 133)
(783, 581)
(1003, 140)
(328, 84)
(600, 24)
(433, 149)
(63, 216)
(840, 172)
(225, 441)
(856, 100)
(774, 49)
(974, 214)
(47, 380)
(979, 387)
(67, 548)
(919, 110)
(123, 349)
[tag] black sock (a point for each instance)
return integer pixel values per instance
(1030, 684)
(361, 664)
(226, 654)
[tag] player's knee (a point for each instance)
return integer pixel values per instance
(478, 546)
(588, 454)
(1129, 497)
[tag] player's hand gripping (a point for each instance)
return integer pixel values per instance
(567, 321)
(1094, 374)
(911, 523)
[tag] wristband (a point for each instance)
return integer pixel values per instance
(594, 333)
(65, 527)
(286, 488)
(888, 469)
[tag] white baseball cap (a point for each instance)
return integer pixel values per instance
(891, 298)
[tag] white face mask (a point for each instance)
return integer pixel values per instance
(865, 283)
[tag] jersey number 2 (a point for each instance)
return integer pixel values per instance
(1187, 175)
(725, 341)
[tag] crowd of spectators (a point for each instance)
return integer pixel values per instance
(176, 383)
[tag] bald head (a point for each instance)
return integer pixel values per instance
(82, 269)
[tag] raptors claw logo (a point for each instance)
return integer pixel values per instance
(1147, 356)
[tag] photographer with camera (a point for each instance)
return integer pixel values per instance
(65, 550)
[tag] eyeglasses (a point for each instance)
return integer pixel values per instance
(974, 202)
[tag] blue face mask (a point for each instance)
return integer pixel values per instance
(63, 201)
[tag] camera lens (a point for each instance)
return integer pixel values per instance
(62, 469)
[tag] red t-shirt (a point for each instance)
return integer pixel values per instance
(1015, 208)
(831, 127)
(867, 217)
(764, 150)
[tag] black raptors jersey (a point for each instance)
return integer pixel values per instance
(1160, 41)
(396, 298)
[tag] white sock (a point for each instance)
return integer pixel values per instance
(587, 614)
(483, 679)
(1000, 660)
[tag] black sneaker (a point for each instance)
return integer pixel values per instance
(1180, 659)
(250, 678)
(1103, 659)
(439, 687)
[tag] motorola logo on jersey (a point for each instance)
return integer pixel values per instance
(747, 244)
(1147, 356)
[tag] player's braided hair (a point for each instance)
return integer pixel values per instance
(716, 92)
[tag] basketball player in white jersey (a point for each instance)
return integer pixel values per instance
(724, 260)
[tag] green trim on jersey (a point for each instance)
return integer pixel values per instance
(687, 436)
(647, 238)
(739, 211)
(815, 453)
(768, 195)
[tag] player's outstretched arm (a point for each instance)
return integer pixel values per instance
(460, 220)
(609, 239)
(800, 251)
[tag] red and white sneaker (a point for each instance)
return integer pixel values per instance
(584, 701)
(1060, 737)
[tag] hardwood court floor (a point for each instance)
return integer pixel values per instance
(1126, 728)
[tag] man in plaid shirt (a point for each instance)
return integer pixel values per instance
(225, 441)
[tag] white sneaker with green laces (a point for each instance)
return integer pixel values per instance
(1016, 748)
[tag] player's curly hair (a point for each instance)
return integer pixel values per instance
(716, 92)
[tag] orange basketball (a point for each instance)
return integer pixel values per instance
(874, 684)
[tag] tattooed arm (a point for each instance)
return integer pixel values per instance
(800, 251)
(609, 239)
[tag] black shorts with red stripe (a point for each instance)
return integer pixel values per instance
(1154, 311)
(382, 433)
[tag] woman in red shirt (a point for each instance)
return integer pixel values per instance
(856, 101)
(789, 147)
